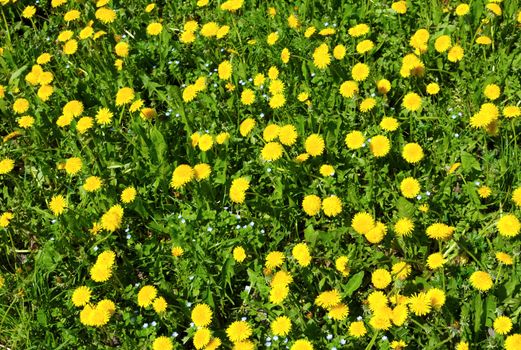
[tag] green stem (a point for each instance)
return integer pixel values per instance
(473, 257)
(373, 340)
(7, 30)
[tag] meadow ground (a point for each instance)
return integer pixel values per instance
(247, 174)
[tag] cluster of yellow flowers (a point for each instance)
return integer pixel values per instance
(202, 317)
(101, 271)
(357, 85)
(184, 173)
(147, 296)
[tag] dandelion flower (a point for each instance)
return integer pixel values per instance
(341, 265)
(225, 70)
(159, 304)
(112, 219)
(239, 254)
(238, 190)
(332, 206)
(321, 57)
(57, 205)
(412, 153)
(420, 304)
(367, 104)
(100, 273)
(6, 166)
(81, 296)
(182, 175)
(328, 299)
(381, 278)
(354, 140)
(492, 91)
(410, 187)
(502, 325)
(399, 7)
(513, 342)
(362, 222)
(380, 146)
(154, 28)
(435, 261)
(201, 315)
(247, 126)
(389, 124)
(274, 259)
(348, 89)
(481, 281)
(128, 195)
(404, 227)
(360, 71)
(339, 312)
(238, 331)
(504, 258)
(281, 326)
(92, 183)
(412, 102)
(508, 225)
(301, 253)
(439, 231)
(73, 165)
(314, 145)
(401, 270)
(311, 204)
(456, 53)
(146, 295)
(20, 105)
(162, 343)
(124, 96)
(437, 297)
(357, 329)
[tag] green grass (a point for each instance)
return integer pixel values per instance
(44, 258)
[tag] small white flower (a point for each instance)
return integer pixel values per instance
(145, 325)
